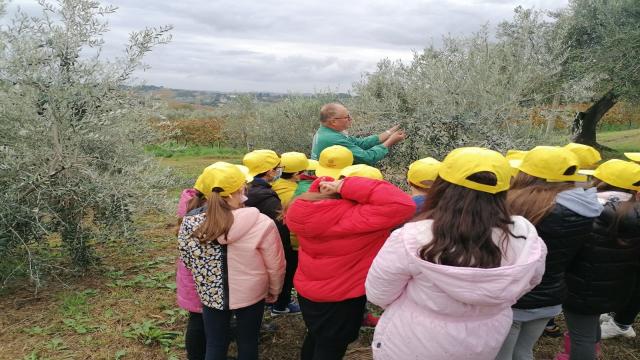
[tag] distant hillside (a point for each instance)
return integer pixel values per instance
(212, 98)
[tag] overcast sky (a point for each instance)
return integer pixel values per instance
(296, 45)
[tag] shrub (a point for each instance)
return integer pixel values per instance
(72, 160)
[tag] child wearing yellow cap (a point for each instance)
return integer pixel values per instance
(447, 278)
(331, 162)
(603, 277)
(544, 192)
(235, 257)
(188, 299)
(294, 165)
(421, 175)
(266, 167)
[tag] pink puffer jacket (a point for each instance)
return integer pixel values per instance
(444, 312)
(187, 296)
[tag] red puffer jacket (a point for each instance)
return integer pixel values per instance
(339, 238)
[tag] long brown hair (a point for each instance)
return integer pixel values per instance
(622, 209)
(463, 223)
(218, 221)
(533, 197)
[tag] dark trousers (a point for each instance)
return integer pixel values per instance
(194, 340)
(331, 326)
(216, 327)
(628, 314)
(584, 331)
(318, 348)
(291, 256)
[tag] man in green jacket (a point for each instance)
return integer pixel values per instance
(335, 120)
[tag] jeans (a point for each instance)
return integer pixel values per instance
(216, 327)
(521, 338)
(194, 340)
(584, 331)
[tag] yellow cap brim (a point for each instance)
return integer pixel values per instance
(245, 171)
(325, 171)
(586, 172)
(515, 163)
(313, 165)
(633, 156)
(576, 178)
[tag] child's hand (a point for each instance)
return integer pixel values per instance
(330, 187)
(271, 298)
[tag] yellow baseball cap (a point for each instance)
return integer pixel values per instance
(259, 161)
(245, 171)
(635, 156)
(227, 177)
(423, 170)
(313, 164)
(587, 155)
(551, 163)
(332, 160)
(293, 162)
(515, 158)
(620, 173)
(464, 162)
(362, 170)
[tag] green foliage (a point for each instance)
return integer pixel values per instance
(71, 156)
(32, 356)
(120, 354)
(56, 344)
(603, 44)
(150, 333)
(36, 330)
(77, 303)
(81, 325)
(472, 91)
(172, 149)
(287, 125)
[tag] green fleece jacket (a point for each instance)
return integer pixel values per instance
(367, 150)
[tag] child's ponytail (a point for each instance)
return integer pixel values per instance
(219, 219)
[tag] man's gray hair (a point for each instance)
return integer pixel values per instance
(329, 111)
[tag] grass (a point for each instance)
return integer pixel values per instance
(125, 308)
(622, 141)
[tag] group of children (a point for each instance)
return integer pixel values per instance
(482, 255)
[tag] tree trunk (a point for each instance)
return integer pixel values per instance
(585, 122)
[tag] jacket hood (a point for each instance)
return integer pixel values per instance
(244, 220)
(258, 191)
(487, 287)
(185, 196)
(580, 201)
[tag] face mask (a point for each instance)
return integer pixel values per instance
(243, 198)
(277, 175)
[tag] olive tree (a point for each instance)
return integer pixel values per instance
(72, 166)
(602, 40)
(471, 91)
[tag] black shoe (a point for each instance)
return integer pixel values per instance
(553, 331)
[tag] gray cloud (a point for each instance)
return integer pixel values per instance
(303, 45)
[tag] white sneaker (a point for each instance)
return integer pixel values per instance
(605, 318)
(609, 330)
